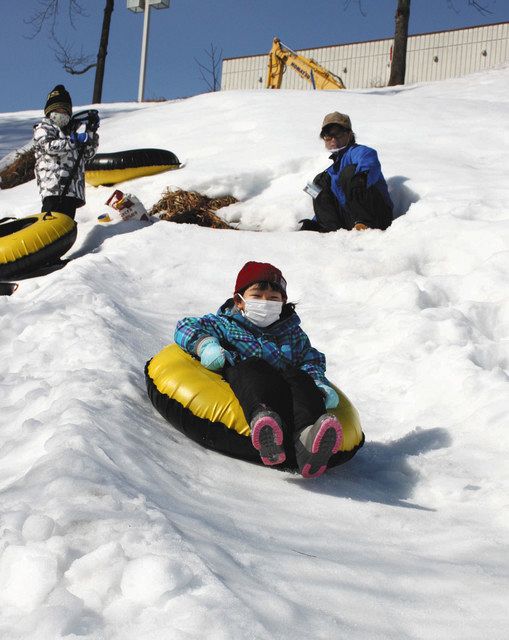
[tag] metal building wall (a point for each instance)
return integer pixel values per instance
(430, 56)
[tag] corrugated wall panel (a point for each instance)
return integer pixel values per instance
(501, 50)
(467, 58)
(367, 64)
(463, 62)
(494, 50)
(453, 56)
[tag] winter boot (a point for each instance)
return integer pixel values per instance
(314, 445)
(267, 436)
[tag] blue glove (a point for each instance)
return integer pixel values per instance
(331, 397)
(211, 354)
(79, 137)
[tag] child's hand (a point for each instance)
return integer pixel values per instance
(80, 138)
(331, 397)
(211, 354)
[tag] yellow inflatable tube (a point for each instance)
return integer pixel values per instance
(110, 168)
(112, 176)
(28, 243)
(202, 405)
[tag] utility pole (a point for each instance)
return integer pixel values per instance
(137, 6)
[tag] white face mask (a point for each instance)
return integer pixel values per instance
(338, 148)
(60, 119)
(262, 312)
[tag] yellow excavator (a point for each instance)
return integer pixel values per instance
(281, 56)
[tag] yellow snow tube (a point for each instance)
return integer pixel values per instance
(202, 405)
(31, 242)
(110, 168)
(112, 176)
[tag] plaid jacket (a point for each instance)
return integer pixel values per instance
(282, 344)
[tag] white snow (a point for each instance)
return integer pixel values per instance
(113, 525)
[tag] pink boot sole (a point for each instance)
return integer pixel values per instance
(326, 443)
(267, 438)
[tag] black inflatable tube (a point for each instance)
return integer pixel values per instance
(131, 159)
(48, 254)
(216, 436)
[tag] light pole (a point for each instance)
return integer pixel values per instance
(137, 6)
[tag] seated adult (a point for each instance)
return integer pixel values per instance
(352, 192)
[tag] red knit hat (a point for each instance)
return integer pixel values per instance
(253, 272)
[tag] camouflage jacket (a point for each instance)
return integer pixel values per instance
(55, 155)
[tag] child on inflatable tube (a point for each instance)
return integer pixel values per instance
(255, 341)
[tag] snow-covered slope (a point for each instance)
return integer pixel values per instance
(115, 526)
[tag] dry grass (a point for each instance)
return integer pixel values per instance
(21, 170)
(191, 207)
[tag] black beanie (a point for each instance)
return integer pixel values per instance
(58, 98)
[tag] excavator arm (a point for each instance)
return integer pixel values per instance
(281, 56)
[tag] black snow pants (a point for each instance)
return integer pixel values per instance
(291, 393)
(366, 205)
(65, 204)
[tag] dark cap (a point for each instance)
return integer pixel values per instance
(340, 119)
(58, 98)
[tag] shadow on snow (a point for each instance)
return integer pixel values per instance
(381, 471)
(102, 232)
(401, 195)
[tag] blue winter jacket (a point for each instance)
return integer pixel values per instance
(367, 161)
(282, 344)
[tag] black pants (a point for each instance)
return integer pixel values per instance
(292, 394)
(67, 205)
(362, 205)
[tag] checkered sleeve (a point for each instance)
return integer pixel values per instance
(310, 359)
(190, 330)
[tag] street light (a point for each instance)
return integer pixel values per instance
(137, 6)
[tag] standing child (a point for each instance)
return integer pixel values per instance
(57, 149)
(256, 341)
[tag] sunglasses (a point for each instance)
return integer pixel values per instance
(333, 133)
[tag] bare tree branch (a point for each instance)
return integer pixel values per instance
(75, 64)
(479, 5)
(476, 4)
(70, 61)
(210, 72)
(481, 8)
(47, 14)
(348, 3)
(75, 9)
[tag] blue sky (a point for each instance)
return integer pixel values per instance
(185, 31)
